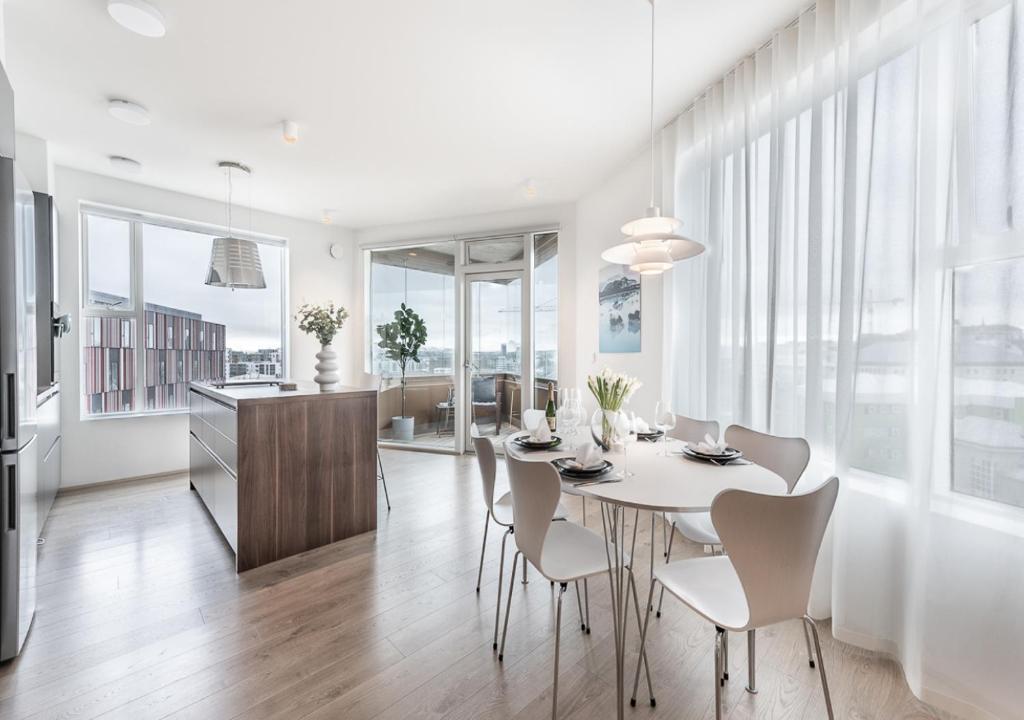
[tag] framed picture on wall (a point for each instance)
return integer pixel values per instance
(618, 302)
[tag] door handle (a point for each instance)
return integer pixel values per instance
(12, 497)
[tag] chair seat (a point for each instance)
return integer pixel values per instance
(696, 527)
(711, 587)
(503, 510)
(572, 552)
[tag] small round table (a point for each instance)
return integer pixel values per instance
(659, 484)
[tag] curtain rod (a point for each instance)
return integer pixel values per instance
(766, 44)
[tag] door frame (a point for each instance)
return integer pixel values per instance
(463, 388)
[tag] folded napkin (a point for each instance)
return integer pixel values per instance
(640, 425)
(541, 433)
(710, 446)
(588, 456)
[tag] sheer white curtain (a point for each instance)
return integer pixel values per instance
(855, 182)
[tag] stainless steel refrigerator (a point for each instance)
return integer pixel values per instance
(18, 441)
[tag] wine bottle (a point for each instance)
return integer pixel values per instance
(549, 411)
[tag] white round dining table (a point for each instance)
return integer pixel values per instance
(658, 479)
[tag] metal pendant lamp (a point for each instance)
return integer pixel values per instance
(653, 245)
(235, 262)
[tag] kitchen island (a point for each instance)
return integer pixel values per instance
(281, 472)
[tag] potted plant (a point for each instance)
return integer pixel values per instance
(401, 340)
(323, 322)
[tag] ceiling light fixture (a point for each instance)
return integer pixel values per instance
(653, 245)
(138, 16)
(125, 164)
(530, 189)
(127, 111)
(290, 131)
(327, 218)
(235, 262)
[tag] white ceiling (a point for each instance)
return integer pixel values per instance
(409, 109)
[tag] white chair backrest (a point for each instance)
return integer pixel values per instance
(488, 464)
(536, 489)
(786, 457)
(531, 418)
(773, 542)
(693, 431)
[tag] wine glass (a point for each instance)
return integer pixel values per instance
(664, 420)
(624, 434)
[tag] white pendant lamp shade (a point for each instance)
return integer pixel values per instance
(138, 16)
(652, 244)
(235, 262)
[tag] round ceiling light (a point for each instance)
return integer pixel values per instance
(125, 164)
(129, 112)
(138, 16)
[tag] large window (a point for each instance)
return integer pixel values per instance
(545, 306)
(151, 325)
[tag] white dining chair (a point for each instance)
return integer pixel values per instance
(787, 457)
(378, 380)
(772, 543)
(500, 511)
(689, 430)
(563, 552)
(532, 417)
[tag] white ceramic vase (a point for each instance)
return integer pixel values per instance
(327, 376)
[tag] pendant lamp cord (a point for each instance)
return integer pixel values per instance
(229, 201)
(652, 102)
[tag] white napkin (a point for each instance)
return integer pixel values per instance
(640, 425)
(541, 433)
(710, 446)
(588, 456)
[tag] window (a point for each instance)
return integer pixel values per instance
(151, 325)
(424, 279)
(545, 306)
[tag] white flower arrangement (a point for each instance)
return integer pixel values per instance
(611, 389)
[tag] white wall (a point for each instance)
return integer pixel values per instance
(33, 157)
(599, 214)
(99, 450)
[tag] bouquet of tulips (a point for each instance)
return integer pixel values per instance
(612, 390)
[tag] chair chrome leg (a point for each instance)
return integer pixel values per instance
(809, 621)
(579, 606)
(718, 674)
(664, 535)
(751, 682)
(725, 655)
(524, 571)
(668, 559)
(586, 604)
(483, 549)
(807, 641)
(501, 575)
(380, 465)
(558, 638)
(643, 650)
(508, 603)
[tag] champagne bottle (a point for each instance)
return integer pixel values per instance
(549, 411)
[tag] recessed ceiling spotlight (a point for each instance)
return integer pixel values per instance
(125, 164)
(326, 218)
(290, 131)
(129, 112)
(530, 189)
(138, 16)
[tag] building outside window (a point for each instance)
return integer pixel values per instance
(150, 324)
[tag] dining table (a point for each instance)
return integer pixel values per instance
(654, 477)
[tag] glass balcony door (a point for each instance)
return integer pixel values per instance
(497, 352)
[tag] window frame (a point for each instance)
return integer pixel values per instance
(137, 306)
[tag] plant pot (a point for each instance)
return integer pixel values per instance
(402, 427)
(327, 376)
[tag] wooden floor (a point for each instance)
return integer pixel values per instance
(142, 616)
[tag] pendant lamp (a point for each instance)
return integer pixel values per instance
(235, 262)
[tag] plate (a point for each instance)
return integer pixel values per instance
(650, 436)
(524, 441)
(729, 454)
(571, 473)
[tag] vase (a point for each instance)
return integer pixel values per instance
(327, 376)
(603, 428)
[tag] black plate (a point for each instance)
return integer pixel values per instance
(729, 454)
(650, 436)
(524, 442)
(571, 473)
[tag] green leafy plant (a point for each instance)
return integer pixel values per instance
(401, 340)
(322, 321)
